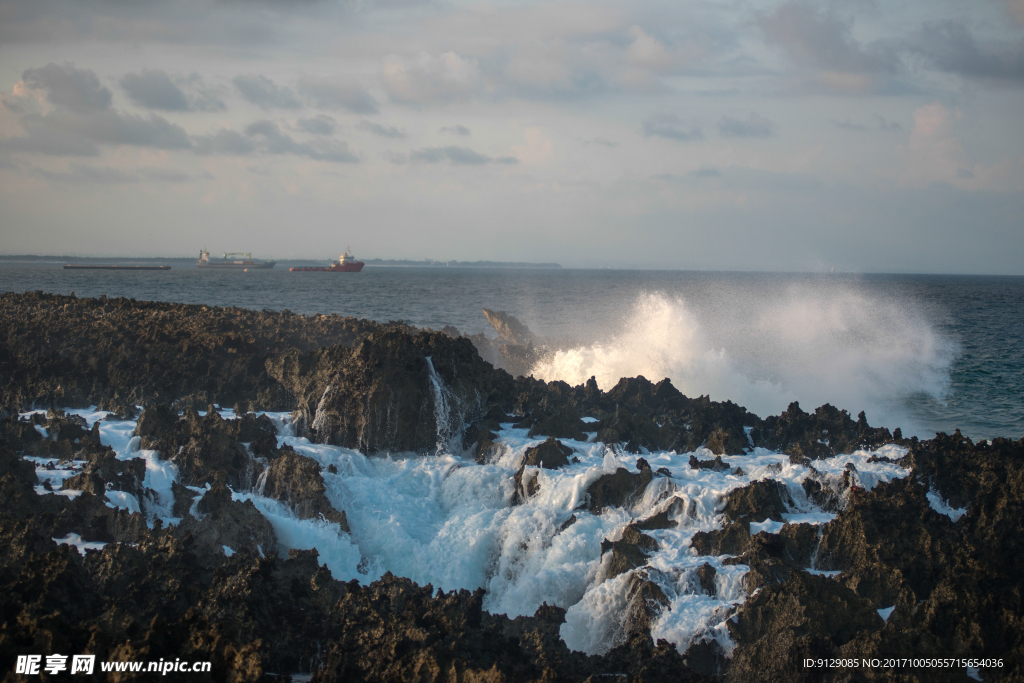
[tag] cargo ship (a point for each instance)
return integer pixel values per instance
(346, 264)
(230, 261)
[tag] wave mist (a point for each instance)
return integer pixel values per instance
(764, 351)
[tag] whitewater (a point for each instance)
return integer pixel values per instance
(450, 522)
(837, 347)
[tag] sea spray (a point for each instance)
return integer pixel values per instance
(763, 352)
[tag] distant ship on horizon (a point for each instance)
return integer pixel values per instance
(246, 263)
(347, 263)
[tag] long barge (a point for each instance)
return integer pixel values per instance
(114, 267)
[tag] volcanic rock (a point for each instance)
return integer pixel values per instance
(645, 601)
(552, 454)
(525, 484)
(509, 328)
(706, 579)
(617, 489)
(226, 522)
(395, 392)
(296, 480)
(827, 432)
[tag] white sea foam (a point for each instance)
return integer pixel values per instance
(80, 545)
(449, 522)
(943, 508)
(816, 347)
(160, 475)
(124, 500)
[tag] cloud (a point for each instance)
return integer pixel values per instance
(458, 156)
(849, 125)
(1015, 8)
(81, 174)
(275, 142)
(647, 52)
(67, 133)
(155, 89)
(318, 125)
(266, 137)
(665, 125)
(599, 141)
(383, 131)
(457, 129)
(933, 153)
(76, 89)
(950, 46)
(885, 124)
(822, 40)
(705, 172)
(753, 126)
(264, 93)
(331, 95)
(430, 78)
(224, 141)
(50, 142)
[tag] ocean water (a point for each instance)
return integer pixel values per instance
(926, 353)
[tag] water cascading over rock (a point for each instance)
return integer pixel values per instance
(393, 393)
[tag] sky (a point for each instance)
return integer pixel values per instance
(852, 135)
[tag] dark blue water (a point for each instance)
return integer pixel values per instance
(925, 353)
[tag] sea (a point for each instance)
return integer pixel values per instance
(926, 353)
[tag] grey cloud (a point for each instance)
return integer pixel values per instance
(328, 95)
(67, 133)
(824, 40)
(456, 155)
(224, 142)
(753, 126)
(51, 142)
(276, 142)
(949, 46)
(266, 137)
(319, 125)
(849, 125)
(670, 126)
(383, 131)
(200, 96)
(457, 129)
(153, 89)
(105, 175)
(114, 128)
(75, 89)
(748, 179)
(266, 94)
(885, 124)
(600, 141)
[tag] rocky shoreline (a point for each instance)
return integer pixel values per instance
(949, 583)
